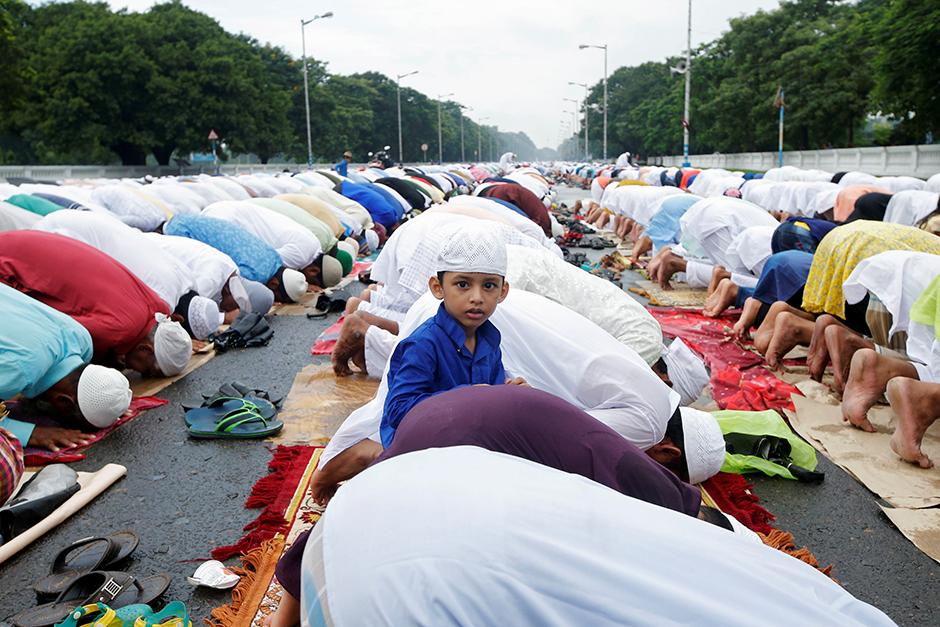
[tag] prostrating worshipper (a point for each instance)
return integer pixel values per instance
(845, 200)
(870, 206)
(256, 260)
(797, 233)
(319, 229)
(708, 228)
(382, 208)
(507, 212)
(319, 210)
(409, 190)
(298, 248)
(44, 357)
(484, 538)
(532, 425)
(34, 204)
(525, 200)
(911, 206)
(664, 228)
(836, 257)
(781, 280)
(162, 272)
(132, 205)
(747, 254)
(215, 273)
(13, 218)
(340, 203)
(117, 309)
(459, 345)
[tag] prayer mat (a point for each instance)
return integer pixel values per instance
(292, 512)
(300, 308)
(920, 526)
(326, 341)
(92, 484)
(319, 402)
(737, 380)
(868, 456)
(151, 386)
(40, 457)
(693, 298)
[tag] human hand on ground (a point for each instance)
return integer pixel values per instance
(56, 438)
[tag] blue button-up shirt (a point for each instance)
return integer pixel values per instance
(256, 260)
(342, 167)
(435, 359)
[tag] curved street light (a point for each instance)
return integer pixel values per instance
(398, 77)
(440, 145)
(604, 48)
(303, 58)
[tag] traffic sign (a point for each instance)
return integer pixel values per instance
(424, 147)
(213, 135)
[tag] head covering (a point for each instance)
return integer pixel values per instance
(260, 298)
(104, 394)
(332, 271)
(372, 239)
(381, 232)
(236, 285)
(204, 317)
(474, 248)
(172, 346)
(294, 284)
(347, 155)
(344, 257)
(704, 444)
(686, 371)
(351, 241)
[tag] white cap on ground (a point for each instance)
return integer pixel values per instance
(204, 317)
(172, 346)
(686, 371)
(474, 248)
(704, 444)
(295, 285)
(332, 271)
(372, 239)
(104, 394)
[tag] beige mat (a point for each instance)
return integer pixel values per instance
(868, 456)
(319, 402)
(681, 297)
(300, 308)
(920, 526)
(141, 386)
(92, 484)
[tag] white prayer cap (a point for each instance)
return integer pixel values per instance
(104, 394)
(204, 317)
(172, 346)
(294, 284)
(332, 271)
(372, 239)
(260, 297)
(473, 248)
(349, 248)
(686, 371)
(704, 444)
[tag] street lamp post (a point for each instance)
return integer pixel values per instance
(440, 133)
(604, 48)
(574, 114)
(460, 110)
(688, 88)
(398, 77)
(586, 116)
(480, 139)
(303, 58)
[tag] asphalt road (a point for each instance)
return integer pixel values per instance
(185, 497)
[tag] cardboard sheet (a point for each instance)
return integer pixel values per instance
(319, 402)
(300, 308)
(868, 456)
(679, 297)
(151, 386)
(92, 484)
(920, 526)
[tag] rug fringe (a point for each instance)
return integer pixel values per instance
(256, 571)
(732, 493)
(784, 541)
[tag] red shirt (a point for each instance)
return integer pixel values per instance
(525, 200)
(70, 276)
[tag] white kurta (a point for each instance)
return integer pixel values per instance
(297, 246)
(13, 218)
(347, 205)
(713, 223)
(463, 536)
(911, 206)
(750, 250)
(132, 206)
(160, 271)
(209, 268)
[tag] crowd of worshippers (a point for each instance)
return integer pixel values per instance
(103, 282)
(845, 264)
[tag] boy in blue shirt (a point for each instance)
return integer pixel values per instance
(459, 346)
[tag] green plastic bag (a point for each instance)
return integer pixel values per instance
(766, 422)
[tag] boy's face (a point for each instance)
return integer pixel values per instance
(469, 297)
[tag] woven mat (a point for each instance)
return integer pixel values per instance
(680, 297)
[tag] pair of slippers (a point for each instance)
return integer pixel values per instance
(137, 615)
(235, 412)
(82, 574)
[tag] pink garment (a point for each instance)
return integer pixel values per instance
(845, 201)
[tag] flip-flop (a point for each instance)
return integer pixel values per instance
(211, 409)
(100, 615)
(84, 556)
(173, 615)
(232, 420)
(115, 589)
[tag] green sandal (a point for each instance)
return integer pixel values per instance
(236, 419)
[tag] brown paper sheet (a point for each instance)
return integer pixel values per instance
(680, 297)
(319, 402)
(152, 386)
(920, 526)
(868, 456)
(300, 308)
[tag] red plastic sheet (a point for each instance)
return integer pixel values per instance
(738, 380)
(326, 341)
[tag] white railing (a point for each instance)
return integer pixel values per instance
(61, 172)
(921, 161)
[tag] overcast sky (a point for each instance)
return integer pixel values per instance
(509, 60)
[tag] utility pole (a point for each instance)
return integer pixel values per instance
(587, 111)
(440, 133)
(303, 58)
(480, 157)
(398, 77)
(604, 48)
(460, 107)
(688, 91)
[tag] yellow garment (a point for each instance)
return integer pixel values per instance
(844, 247)
(632, 182)
(318, 209)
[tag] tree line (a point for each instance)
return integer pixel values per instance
(853, 74)
(84, 84)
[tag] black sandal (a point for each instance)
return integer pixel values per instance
(84, 556)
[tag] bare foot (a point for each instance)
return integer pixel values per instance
(718, 275)
(742, 328)
(351, 345)
(352, 305)
(916, 406)
(818, 356)
(670, 264)
(862, 390)
(766, 330)
(287, 614)
(722, 298)
(841, 344)
(789, 330)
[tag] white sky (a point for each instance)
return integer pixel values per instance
(509, 60)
